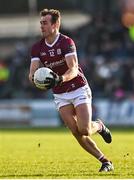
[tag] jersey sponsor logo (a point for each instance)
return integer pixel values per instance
(54, 64)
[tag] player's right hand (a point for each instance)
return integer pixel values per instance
(40, 86)
(44, 86)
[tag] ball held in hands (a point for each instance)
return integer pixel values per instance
(44, 78)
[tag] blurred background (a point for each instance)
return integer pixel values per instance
(104, 35)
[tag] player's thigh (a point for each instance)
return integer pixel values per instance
(84, 116)
(68, 115)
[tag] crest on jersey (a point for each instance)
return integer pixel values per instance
(51, 52)
(58, 51)
(71, 48)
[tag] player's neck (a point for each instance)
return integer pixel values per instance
(52, 38)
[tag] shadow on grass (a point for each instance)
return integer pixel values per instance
(22, 175)
(41, 129)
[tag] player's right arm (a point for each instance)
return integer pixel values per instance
(33, 67)
(35, 61)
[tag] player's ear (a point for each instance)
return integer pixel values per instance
(54, 25)
(58, 23)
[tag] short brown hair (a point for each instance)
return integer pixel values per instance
(53, 12)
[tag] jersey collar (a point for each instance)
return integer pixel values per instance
(51, 45)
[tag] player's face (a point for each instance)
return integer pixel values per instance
(47, 28)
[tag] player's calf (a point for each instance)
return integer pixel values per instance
(104, 132)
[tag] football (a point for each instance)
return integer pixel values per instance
(40, 76)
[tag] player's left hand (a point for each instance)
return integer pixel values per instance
(56, 80)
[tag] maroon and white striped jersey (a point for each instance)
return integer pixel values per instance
(53, 56)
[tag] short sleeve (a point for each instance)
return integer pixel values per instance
(35, 54)
(69, 47)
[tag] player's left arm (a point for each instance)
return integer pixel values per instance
(72, 72)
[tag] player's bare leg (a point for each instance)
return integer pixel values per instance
(68, 114)
(85, 123)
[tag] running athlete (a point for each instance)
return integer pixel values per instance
(71, 91)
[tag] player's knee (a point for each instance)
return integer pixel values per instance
(85, 131)
(75, 132)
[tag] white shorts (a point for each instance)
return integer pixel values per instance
(76, 97)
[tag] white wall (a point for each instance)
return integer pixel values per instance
(116, 113)
(31, 113)
(42, 113)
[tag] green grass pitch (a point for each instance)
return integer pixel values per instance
(55, 154)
